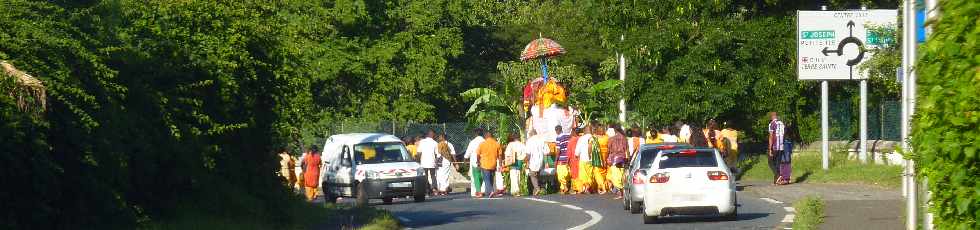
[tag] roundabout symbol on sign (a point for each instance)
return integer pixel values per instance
(840, 48)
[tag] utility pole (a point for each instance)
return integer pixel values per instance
(909, 98)
(622, 80)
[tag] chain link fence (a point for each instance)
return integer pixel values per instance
(884, 121)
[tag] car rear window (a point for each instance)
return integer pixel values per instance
(698, 159)
(647, 157)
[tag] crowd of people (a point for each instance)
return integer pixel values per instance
(589, 160)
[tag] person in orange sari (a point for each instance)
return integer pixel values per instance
(573, 161)
(311, 173)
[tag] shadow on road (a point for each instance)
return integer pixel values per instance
(694, 219)
(418, 219)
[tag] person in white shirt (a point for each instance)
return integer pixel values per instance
(582, 151)
(685, 132)
(428, 150)
(536, 149)
(667, 137)
(634, 141)
(476, 175)
(514, 159)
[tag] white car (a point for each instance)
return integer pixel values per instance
(636, 174)
(370, 166)
(689, 182)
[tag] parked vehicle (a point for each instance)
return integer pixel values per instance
(689, 182)
(370, 166)
(636, 174)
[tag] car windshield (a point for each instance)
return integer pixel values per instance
(705, 158)
(380, 152)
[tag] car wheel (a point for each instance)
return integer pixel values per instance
(362, 199)
(636, 207)
(387, 200)
(649, 219)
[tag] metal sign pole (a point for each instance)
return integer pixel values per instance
(825, 120)
(863, 118)
(910, 43)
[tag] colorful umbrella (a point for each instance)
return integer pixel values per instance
(542, 48)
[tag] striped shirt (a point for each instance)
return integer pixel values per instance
(561, 143)
(778, 130)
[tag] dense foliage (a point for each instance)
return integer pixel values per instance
(945, 135)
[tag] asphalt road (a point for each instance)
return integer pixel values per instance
(459, 211)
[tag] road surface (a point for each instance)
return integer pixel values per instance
(459, 211)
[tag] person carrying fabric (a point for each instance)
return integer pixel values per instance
(488, 154)
(514, 162)
(616, 160)
(446, 153)
(600, 170)
(476, 175)
(561, 168)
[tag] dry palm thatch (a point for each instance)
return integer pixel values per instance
(27, 90)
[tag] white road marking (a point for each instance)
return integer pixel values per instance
(571, 207)
(595, 220)
(789, 209)
(788, 218)
(541, 200)
(770, 200)
(403, 219)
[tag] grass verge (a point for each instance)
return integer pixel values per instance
(809, 213)
(807, 168)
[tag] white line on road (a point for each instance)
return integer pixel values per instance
(595, 219)
(403, 219)
(788, 218)
(541, 200)
(571, 206)
(767, 199)
(789, 209)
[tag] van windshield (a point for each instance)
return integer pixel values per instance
(380, 152)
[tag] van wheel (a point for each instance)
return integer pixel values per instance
(635, 207)
(387, 200)
(649, 219)
(328, 197)
(362, 199)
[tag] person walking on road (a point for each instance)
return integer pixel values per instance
(713, 135)
(428, 150)
(583, 151)
(573, 165)
(683, 131)
(561, 163)
(476, 175)
(635, 140)
(776, 132)
(488, 153)
(536, 150)
(616, 160)
(514, 161)
(600, 170)
(311, 172)
(445, 163)
(697, 139)
(287, 165)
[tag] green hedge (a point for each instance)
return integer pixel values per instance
(946, 130)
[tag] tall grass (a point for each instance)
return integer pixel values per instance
(807, 168)
(809, 213)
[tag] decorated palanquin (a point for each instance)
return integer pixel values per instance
(547, 101)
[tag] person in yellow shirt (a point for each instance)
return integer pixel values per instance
(412, 148)
(600, 173)
(729, 138)
(583, 152)
(488, 154)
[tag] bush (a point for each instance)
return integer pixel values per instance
(809, 213)
(945, 135)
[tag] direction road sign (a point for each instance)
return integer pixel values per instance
(831, 45)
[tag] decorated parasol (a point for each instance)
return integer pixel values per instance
(542, 48)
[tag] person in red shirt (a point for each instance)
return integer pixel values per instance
(311, 172)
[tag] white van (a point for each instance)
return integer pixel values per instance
(370, 166)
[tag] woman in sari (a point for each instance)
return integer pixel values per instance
(446, 153)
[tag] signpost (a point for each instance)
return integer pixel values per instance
(831, 45)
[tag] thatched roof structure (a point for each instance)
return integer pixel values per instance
(29, 91)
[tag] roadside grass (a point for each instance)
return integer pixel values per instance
(809, 213)
(807, 168)
(364, 218)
